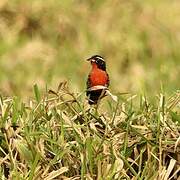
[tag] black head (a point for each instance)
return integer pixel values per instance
(99, 60)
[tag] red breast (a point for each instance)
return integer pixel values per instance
(98, 76)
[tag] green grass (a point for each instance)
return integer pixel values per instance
(57, 135)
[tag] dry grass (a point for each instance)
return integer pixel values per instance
(58, 136)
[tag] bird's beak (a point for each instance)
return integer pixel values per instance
(90, 59)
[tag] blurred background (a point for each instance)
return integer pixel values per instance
(47, 41)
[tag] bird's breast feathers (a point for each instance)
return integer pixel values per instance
(98, 77)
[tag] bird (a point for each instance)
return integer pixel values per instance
(98, 80)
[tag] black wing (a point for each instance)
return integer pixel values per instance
(88, 83)
(108, 81)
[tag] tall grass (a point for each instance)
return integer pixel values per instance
(58, 136)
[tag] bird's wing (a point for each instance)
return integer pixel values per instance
(88, 83)
(108, 81)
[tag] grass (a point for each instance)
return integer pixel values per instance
(58, 136)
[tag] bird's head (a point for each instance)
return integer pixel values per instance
(99, 61)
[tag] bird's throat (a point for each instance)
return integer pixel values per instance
(94, 65)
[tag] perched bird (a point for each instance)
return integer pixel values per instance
(98, 79)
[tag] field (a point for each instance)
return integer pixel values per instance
(48, 131)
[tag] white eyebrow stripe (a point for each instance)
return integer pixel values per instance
(100, 58)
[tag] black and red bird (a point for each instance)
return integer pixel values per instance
(98, 79)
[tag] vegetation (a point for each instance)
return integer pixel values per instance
(59, 136)
(55, 134)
